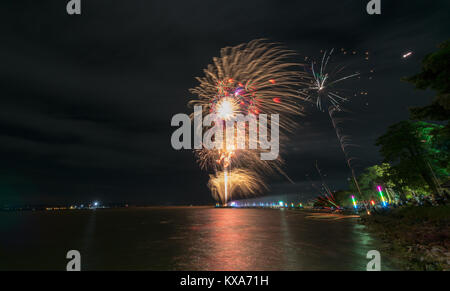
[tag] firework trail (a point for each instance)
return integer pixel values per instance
(323, 91)
(324, 185)
(344, 142)
(326, 199)
(249, 79)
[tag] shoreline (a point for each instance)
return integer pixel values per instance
(419, 237)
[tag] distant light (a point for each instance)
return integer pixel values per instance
(408, 54)
(281, 203)
(96, 203)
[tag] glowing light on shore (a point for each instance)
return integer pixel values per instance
(380, 191)
(354, 202)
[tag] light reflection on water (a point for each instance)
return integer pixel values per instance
(183, 238)
(265, 239)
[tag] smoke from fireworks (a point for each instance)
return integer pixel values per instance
(249, 79)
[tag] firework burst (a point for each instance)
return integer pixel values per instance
(249, 79)
(324, 90)
(226, 184)
(325, 93)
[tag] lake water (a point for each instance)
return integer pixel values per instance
(184, 238)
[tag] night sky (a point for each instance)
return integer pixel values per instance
(86, 101)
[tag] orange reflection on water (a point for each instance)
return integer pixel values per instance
(229, 241)
(265, 239)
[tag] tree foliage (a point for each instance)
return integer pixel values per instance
(417, 153)
(435, 75)
(370, 178)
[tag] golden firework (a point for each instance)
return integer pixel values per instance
(250, 79)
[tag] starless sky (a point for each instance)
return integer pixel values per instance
(86, 101)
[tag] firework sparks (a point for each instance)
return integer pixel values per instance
(226, 108)
(226, 184)
(344, 142)
(325, 94)
(249, 79)
(323, 91)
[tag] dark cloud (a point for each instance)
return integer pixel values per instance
(86, 101)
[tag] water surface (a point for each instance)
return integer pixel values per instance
(183, 238)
